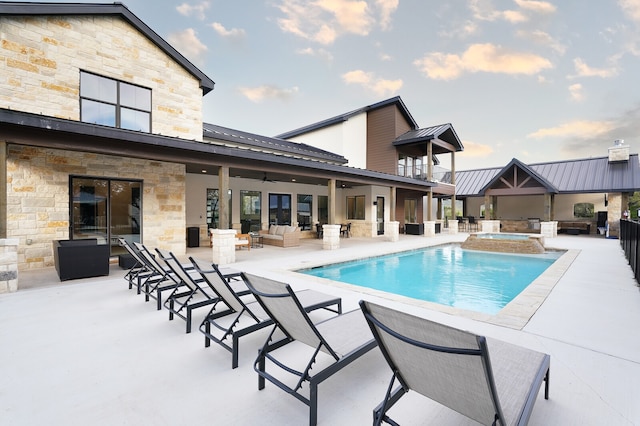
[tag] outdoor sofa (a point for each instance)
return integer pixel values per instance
(281, 236)
(80, 258)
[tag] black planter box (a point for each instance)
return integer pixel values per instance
(80, 258)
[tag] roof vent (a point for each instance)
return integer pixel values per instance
(618, 152)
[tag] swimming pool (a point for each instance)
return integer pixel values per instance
(449, 275)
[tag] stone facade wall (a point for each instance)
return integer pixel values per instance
(8, 265)
(41, 58)
(38, 198)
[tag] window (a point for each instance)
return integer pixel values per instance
(323, 209)
(355, 207)
(304, 211)
(213, 208)
(105, 209)
(250, 211)
(279, 209)
(410, 210)
(583, 210)
(114, 103)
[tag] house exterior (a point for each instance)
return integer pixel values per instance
(385, 137)
(101, 136)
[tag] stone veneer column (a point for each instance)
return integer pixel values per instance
(392, 230)
(490, 226)
(453, 226)
(8, 265)
(549, 229)
(430, 228)
(330, 237)
(224, 246)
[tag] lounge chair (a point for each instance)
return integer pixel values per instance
(159, 279)
(254, 316)
(190, 294)
(344, 338)
(489, 381)
(138, 270)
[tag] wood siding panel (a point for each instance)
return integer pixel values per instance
(383, 126)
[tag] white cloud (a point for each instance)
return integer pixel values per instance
(260, 93)
(480, 58)
(576, 92)
(584, 70)
(323, 21)
(541, 7)
(631, 9)
(198, 10)
(483, 10)
(321, 53)
(187, 43)
(235, 33)
(476, 150)
(577, 128)
(543, 39)
(369, 81)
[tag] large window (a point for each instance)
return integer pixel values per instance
(410, 210)
(279, 209)
(106, 209)
(114, 103)
(213, 208)
(250, 211)
(323, 209)
(304, 211)
(355, 207)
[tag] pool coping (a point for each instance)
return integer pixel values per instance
(516, 314)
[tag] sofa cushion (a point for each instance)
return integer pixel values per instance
(281, 229)
(291, 228)
(272, 229)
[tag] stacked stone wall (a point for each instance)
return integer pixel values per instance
(42, 57)
(38, 198)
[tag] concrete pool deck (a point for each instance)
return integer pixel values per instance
(92, 352)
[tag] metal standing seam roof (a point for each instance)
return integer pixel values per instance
(119, 9)
(344, 117)
(428, 133)
(591, 175)
(239, 138)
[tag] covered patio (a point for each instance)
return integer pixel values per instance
(92, 352)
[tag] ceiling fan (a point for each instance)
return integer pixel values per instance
(265, 179)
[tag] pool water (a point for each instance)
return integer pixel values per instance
(448, 275)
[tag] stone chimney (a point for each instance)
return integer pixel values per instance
(619, 152)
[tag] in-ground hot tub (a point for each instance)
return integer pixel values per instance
(505, 243)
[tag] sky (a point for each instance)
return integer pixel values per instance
(528, 79)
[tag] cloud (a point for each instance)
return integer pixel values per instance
(369, 81)
(235, 33)
(577, 128)
(543, 39)
(260, 93)
(188, 44)
(484, 11)
(540, 7)
(323, 21)
(476, 150)
(576, 93)
(631, 9)
(480, 58)
(198, 10)
(321, 53)
(584, 70)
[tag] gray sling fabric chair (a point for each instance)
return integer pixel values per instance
(247, 316)
(158, 280)
(344, 338)
(489, 381)
(139, 270)
(191, 294)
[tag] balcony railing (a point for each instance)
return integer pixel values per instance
(630, 242)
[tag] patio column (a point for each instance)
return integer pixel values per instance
(332, 201)
(430, 179)
(392, 204)
(223, 190)
(453, 182)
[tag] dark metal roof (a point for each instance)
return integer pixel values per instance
(443, 132)
(37, 8)
(590, 175)
(344, 117)
(267, 144)
(33, 129)
(528, 171)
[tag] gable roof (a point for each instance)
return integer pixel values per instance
(344, 117)
(117, 9)
(589, 175)
(509, 181)
(238, 138)
(443, 135)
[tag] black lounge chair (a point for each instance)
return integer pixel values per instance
(247, 316)
(190, 294)
(489, 381)
(344, 338)
(159, 279)
(138, 271)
